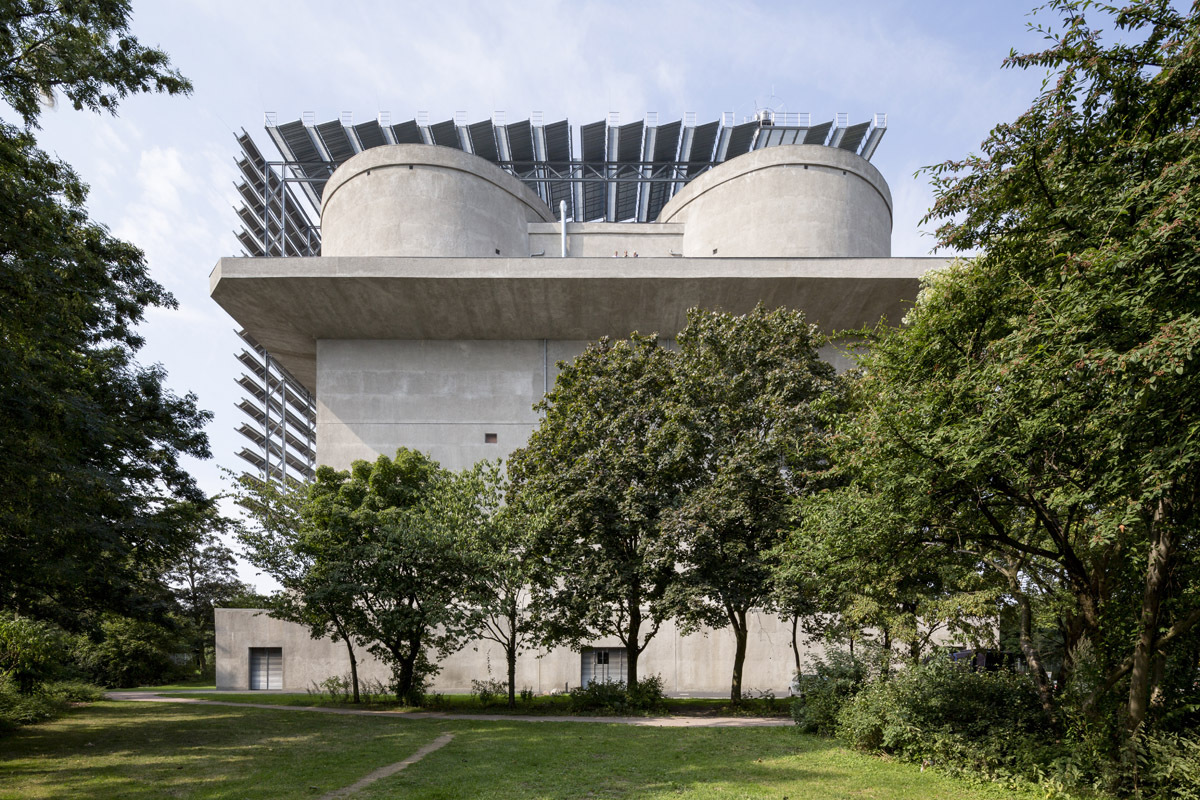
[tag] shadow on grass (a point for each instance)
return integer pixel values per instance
(135, 750)
(150, 750)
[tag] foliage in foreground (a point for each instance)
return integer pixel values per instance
(1032, 432)
(990, 726)
(94, 500)
(47, 702)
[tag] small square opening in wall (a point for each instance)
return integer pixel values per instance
(489, 438)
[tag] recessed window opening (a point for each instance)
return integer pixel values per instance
(490, 438)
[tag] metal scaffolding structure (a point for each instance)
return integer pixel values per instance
(282, 418)
(617, 173)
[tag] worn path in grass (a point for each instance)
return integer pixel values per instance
(655, 722)
(390, 769)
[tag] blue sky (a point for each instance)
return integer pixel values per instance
(162, 173)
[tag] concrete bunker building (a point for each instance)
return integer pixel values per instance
(455, 265)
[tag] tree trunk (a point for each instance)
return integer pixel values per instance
(510, 652)
(795, 647)
(341, 632)
(1032, 657)
(353, 669)
(1025, 622)
(1157, 570)
(406, 689)
(631, 643)
(737, 620)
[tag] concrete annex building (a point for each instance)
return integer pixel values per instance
(455, 265)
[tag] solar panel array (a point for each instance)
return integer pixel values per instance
(617, 173)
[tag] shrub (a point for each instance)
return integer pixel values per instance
(1163, 765)
(836, 678)
(130, 653)
(73, 691)
(527, 695)
(612, 696)
(46, 702)
(18, 708)
(489, 691)
(29, 651)
(986, 724)
(339, 688)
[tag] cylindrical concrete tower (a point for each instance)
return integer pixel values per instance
(792, 201)
(417, 200)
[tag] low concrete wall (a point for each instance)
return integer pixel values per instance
(604, 239)
(699, 664)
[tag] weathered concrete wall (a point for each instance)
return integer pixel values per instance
(416, 200)
(439, 397)
(786, 202)
(699, 664)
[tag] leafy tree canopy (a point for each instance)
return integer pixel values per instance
(94, 503)
(81, 48)
(744, 411)
(1038, 412)
(600, 472)
(376, 540)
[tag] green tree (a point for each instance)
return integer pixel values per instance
(470, 506)
(600, 472)
(93, 499)
(1086, 214)
(203, 578)
(1038, 410)
(82, 49)
(317, 590)
(743, 413)
(385, 542)
(30, 650)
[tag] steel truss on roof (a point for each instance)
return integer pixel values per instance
(618, 173)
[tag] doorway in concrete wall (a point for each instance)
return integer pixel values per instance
(266, 668)
(602, 665)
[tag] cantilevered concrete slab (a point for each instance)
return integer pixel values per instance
(288, 304)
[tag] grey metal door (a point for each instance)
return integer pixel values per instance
(266, 668)
(602, 665)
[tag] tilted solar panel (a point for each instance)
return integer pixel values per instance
(370, 134)
(407, 133)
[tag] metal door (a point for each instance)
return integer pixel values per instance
(602, 665)
(266, 668)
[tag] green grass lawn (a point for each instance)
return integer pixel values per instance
(467, 704)
(152, 750)
(173, 687)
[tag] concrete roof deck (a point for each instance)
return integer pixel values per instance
(287, 304)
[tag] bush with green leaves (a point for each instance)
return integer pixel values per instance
(131, 653)
(47, 701)
(836, 678)
(614, 696)
(489, 691)
(29, 651)
(17, 708)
